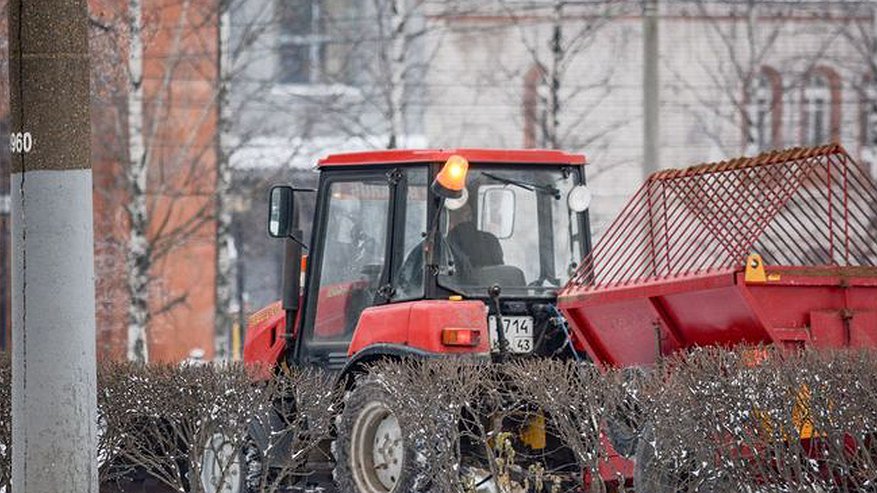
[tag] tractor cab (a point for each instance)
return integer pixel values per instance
(428, 252)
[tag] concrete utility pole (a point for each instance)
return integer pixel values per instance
(53, 346)
(651, 88)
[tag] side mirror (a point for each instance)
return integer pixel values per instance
(497, 206)
(280, 212)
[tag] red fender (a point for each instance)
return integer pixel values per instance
(419, 324)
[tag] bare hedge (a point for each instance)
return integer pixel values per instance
(742, 420)
(165, 418)
(5, 421)
(710, 420)
(169, 421)
(576, 398)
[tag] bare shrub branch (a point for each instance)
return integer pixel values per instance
(577, 399)
(164, 419)
(741, 420)
(5, 421)
(303, 404)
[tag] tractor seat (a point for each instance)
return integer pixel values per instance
(485, 256)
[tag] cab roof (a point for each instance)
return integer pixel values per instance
(412, 156)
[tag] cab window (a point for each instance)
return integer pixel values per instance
(408, 278)
(354, 247)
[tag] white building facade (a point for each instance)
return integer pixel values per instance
(735, 77)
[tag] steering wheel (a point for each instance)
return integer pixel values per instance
(409, 274)
(362, 243)
(462, 263)
(538, 282)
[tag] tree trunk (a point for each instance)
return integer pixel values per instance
(138, 259)
(398, 12)
(750, 116)
(222, 317)
(750, 85)
(552, 137)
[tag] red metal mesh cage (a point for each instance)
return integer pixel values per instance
(799, 207)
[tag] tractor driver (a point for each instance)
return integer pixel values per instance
(467, 252)
(471, 248)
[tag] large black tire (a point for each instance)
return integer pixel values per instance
(623, 426)
(647, 476)
(651, 477)
(368, 428)
(253, 462)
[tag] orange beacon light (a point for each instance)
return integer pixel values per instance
(451, 180)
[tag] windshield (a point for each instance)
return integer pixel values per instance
(514, 229)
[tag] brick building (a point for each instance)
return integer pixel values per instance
(180, 86)
(180, 83)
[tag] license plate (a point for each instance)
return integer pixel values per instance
(518, 331)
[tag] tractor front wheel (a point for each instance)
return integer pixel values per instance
(371, 453)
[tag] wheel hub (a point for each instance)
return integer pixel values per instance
(220, 466)
(376, 449)
(387, 451)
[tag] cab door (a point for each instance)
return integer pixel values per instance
(350, 252)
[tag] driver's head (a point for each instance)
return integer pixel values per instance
(462, 215)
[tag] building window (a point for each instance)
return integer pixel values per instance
(816, 101)
(766, 110)
(868, 123)
(821, 107)
(302, 42)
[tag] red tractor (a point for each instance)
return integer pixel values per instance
(421, 254)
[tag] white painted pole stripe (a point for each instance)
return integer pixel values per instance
(53, 417)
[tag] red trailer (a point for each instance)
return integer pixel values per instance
(779, 248)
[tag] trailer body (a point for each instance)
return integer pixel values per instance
(779, 249)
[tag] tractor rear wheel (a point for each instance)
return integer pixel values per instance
(647, 475)
(650, 476)
(222, 466)
(371, 453)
